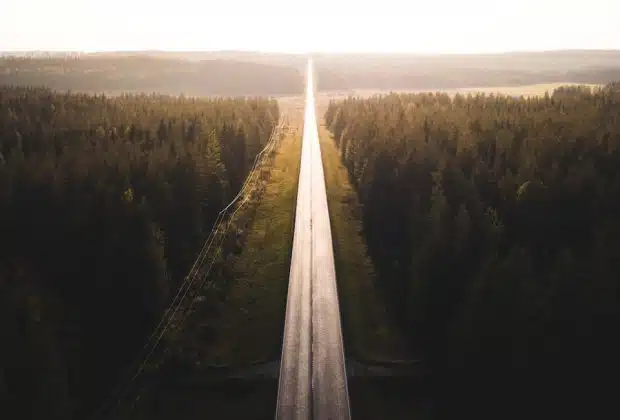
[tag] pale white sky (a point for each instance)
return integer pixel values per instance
(434, 26)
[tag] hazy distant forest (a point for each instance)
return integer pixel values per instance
(494, 223)
(235, 73)
(104, 204)
(151, 74)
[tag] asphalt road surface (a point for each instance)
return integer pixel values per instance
(312, 382)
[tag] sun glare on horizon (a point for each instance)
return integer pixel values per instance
(445, 26)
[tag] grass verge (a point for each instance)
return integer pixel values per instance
(368, 330)
(249, 325)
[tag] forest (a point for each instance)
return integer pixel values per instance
(228, 73)
(493, 223)
(143, 73)
(394, 78)
(449, 71)
(104, 204)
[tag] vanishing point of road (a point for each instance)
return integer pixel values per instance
(313, 383)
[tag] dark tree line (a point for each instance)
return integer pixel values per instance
(104, 203)
(494, 222)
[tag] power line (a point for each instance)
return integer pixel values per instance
(199, 264)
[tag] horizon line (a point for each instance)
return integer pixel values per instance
(304, 53)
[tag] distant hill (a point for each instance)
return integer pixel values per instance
(253, 73)
(280, 59)
(562, 60)
(342, 71)
(416, 71)
(114, 73)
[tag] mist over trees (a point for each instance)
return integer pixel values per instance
(449, 71)
(142, 73)
(415, 78)
(227, 73)
(493, 222)
(104, 203)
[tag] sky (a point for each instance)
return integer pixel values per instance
(435, 26)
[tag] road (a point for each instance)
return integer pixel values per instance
(312, 382)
